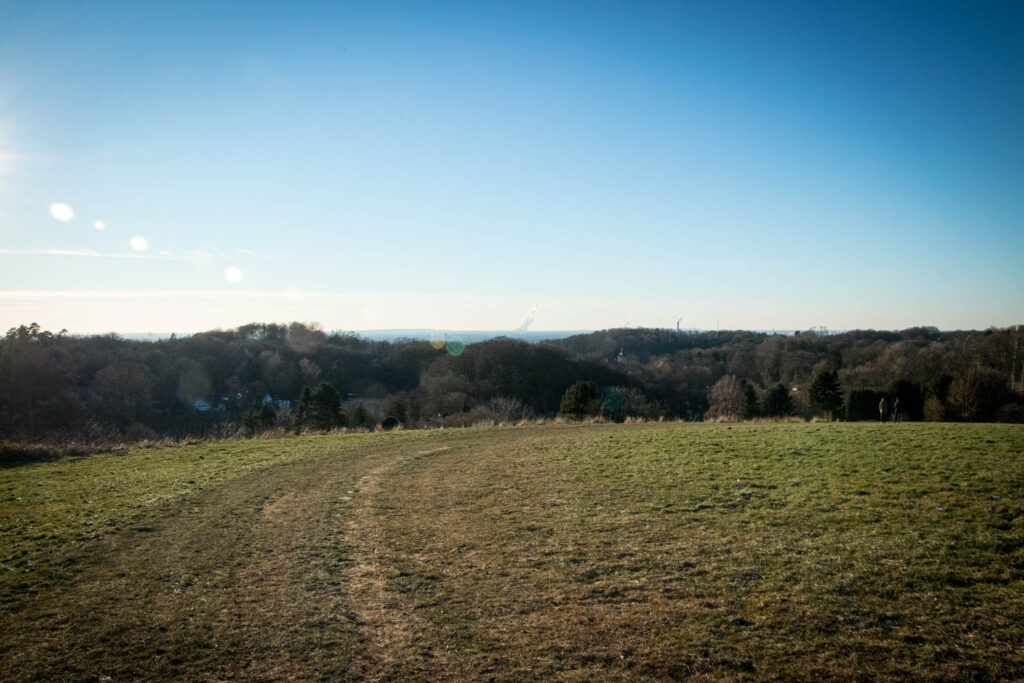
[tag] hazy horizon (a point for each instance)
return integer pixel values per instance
(468, 336)
(735, 165)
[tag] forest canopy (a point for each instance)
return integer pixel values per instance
(54, 386)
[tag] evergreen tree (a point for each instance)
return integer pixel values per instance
(825, 394)
(612, 404)
(320, 408)
(751, 407)
(260, 419)
(398, 412)
(302, 412)
(361, 418)
(579, 400)
(325, 402)
(778, 402)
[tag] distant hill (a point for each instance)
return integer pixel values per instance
(465, 336)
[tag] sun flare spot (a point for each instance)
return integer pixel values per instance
(233, 274)
(438, 340)
(61, 212)
(139, 243)
(455, 347)
(99, 225)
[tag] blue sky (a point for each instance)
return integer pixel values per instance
(468, 165)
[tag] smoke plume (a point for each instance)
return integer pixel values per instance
(528, 320)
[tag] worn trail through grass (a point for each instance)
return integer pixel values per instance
(598, 552)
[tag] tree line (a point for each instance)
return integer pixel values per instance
(938, 376)
(57, 386)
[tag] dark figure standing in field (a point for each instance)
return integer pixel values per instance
(883, 409)
(897, 411)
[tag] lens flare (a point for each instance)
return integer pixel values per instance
(99, 225)
(138, 243)
(233, 274)
(62, 212)
(437, 340)
(455, 347)
(194, 385)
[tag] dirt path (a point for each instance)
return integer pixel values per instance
(389, 624)
(255, 579)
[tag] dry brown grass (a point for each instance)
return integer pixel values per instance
(570, 552)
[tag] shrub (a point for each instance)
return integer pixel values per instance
(580, 400)
(1011, 412)
(137, 431)
(260, 419)
(510, 410)
(475, 416)
(935, 410)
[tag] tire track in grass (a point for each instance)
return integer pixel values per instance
(391, 626)
(480, 544)
(245, 580)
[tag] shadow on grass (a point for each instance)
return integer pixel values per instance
(14, 454)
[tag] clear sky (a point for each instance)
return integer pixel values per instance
(476, 165)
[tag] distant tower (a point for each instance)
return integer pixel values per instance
(621, 358)
(678, 328)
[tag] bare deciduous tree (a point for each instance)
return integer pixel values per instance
(726, 399)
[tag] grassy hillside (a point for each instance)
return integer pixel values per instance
(581, 552)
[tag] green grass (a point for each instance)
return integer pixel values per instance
(751, 551)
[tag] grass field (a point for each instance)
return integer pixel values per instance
(578, 552)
